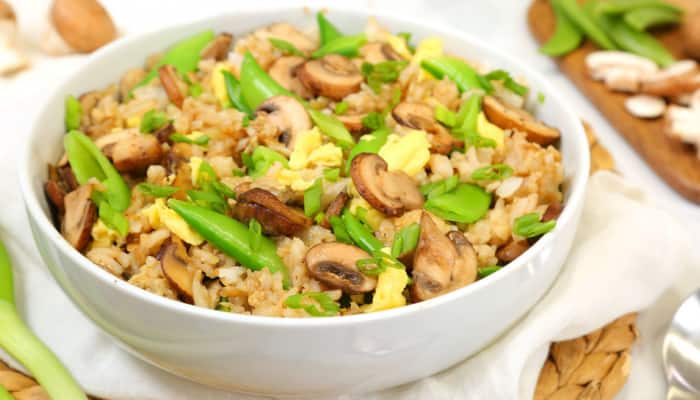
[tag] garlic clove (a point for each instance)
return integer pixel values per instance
(622, 80)
(681, 77)
(599, 61)
(647, 107)
(11, 60)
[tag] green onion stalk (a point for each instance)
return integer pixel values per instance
(27, 349)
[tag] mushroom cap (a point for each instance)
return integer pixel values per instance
(335, 264)
(218, 48)
(376, 52)
(332, 76)
(288, 115)
(506, 117)
(421, 116)
(173, 262)
(80, 215)
(512, 250)
(84, 24)
(392, 193)
(136, 153)
(441, 263)
(6, 12)
(275, 217)
(335, 208)
(353, 122)
(284, 71)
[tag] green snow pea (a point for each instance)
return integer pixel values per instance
(184, 55)
(348, 46)
(256, 85)
(461, 73)
(644, 18)
(567, 36)
(327, 31)
(586, 23)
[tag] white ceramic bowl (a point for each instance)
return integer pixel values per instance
(314, 356)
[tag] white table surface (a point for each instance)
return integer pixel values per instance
(501, 22)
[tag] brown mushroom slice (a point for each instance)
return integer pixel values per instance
(679, 78)
(422, 116)
(288, 115)
(552, 212)
(55, 195)
(136, 153)
(335, 208)
(275, 217)
(335, 264)
(507, 117)
(332, 76)
(353, 122)
(390, 192)
(81, 214)
(218, 48)
(441, 263)
(376, 52)
(512, 250)
(284, 71)
(289, 33)
(174, 86)
(173, 263)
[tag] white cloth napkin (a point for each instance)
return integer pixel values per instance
(627, 251)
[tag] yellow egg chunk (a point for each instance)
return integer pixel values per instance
(328, 155)
(427, 48)
(104, 236)
(373, 217)
(399, 45)
(389, 291)
(303, 146)
(218, 84)
(195, 163)
(133, 122)
(159, 215)
(409, 153)
(489, 130)
(293, 179)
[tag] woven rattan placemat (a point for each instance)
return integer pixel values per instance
(595, 366)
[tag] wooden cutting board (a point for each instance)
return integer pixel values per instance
(673, 161)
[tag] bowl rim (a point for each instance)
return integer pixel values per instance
(576, 190)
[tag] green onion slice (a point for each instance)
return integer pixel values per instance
(530, 225)
(156, 190)
(326, 306)
(286, 47)
(312, 198)
(492, 172)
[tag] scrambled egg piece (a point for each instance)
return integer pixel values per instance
(133, 121)
(159, 215)
(399, 45)
(489, 130)
(427, 48)
(104, 236)
(373, 217)
(218, 84)
(293, 179)
(195, 163)
(389, 291)
(409, 153)
(308, 151)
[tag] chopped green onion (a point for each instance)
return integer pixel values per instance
(437, 188)
(467, 116)
(373, 121)
(540, 97)
(406, 36)
(445, 116)
(347, 46)
(223, 190)
(205, 174)
(338, 227)
(195, 90)
(327, 31)
(492, 172)
(320, 217)
(383, 72)
(286, 47)
(465, 204)
(233, 91)
(153, 120)
(261, 160)
(113, 218)
(405, 240)
(473, 139)
(312, 198)
(508, 82)
(255, 238)
(378, 266)
(156, 190)
(529, 225)
(208, 199)
(483, 272)
(332, 175)
(223, 307)
(74, 113)
(326, 306)
(332, 127)
(180, 138)
(341, 108)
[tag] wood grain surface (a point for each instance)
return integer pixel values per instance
(672, 160)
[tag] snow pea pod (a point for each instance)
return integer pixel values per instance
(327, 31)
(256, 85)
(233, 91)
(461, 73)
(26, 348)
(567, 36)
(360, 234)
(348, 46)
(615, 7)
(331, 127)
(184, 55)
(586, 23)
(644, 18)
(232, 237)
(378, 139)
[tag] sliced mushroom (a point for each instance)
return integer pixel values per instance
(284, 71)
(67, 178)
(136, 153)
(335, 208)
(55, 195)
(552, 212)
(512, 250)
(78, 25)
(391, 192)
(288, 115)
(335, 264)
(218, 48)
(174, 86)
(163, 134)
(691, 35)
(645, 106)
(81, 214)
(506, 117)
(173, 262)
(441, 263)
(275, 217)
(332, 76)
(376, 52)
(290, 34)
(353, 122)
(681, 77)
(422, 116)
